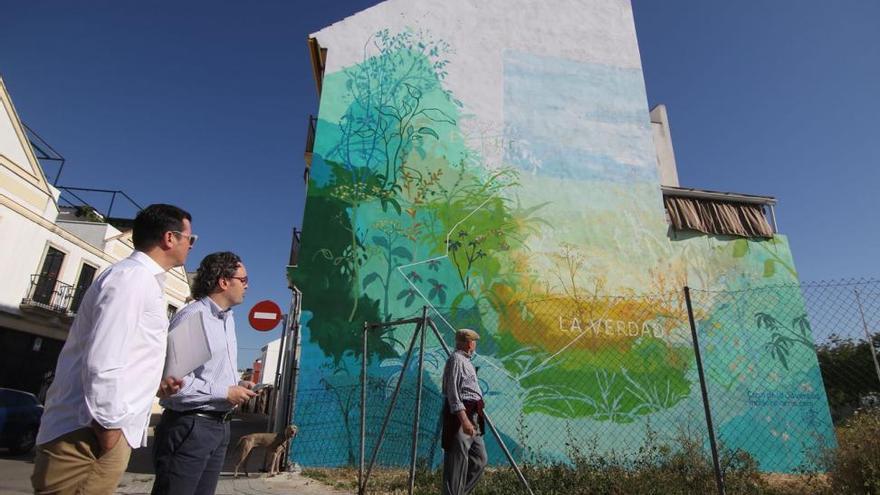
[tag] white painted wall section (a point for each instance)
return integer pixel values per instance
(663, 144)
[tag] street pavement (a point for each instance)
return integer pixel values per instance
(15, 471)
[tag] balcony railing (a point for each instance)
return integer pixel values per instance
(47, 293)
(83, 198)
(294, 247)
(310, 145)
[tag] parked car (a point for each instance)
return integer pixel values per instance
(20, 414)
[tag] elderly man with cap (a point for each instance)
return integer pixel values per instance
(463, 425)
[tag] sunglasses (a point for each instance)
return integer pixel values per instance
(243, 280)
(192, 237)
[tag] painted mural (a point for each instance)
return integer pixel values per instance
(547, 235)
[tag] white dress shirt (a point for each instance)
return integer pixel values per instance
(111, 365)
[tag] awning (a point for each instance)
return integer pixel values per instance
(712, 216)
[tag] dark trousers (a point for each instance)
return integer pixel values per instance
(188, 454)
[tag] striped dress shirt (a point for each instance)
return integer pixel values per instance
(460, 381)
(206, 388)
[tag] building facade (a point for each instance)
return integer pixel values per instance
(50, 255)
(497, 163)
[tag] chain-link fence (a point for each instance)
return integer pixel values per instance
(617, 378)
(786, 364)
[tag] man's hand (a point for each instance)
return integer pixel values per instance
(239, 395)
(168, 387)
(107, 438)
(247, 384)
(468, 429)
(466, 426)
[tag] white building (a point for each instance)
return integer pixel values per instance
(269, 358)
(48, 258)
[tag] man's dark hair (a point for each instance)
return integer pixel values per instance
(152, 222)
(214, 267)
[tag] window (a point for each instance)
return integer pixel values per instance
(47, 278)
(86, 276)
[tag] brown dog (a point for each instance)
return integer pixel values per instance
(276, 458)
(273, 442)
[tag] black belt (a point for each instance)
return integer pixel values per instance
(221, 416)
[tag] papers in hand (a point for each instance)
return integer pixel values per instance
(187, 347)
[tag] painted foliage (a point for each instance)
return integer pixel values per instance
(547, 235)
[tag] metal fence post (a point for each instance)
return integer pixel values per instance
(415, 436)
(276, 388)
(391, 404)
(361, 486)
(282, 420)
(867, 333)
(719, 477)
(292, 367)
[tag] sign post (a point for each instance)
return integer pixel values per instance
(263, 317)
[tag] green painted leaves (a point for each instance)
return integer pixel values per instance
(769, 268)
(437, 291)
(436, 115)
(402, 252)
(740, 248)
(409, 294)
(428, 131)
(783, 338)
(370, 278)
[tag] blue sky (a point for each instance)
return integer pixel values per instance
(205, 104)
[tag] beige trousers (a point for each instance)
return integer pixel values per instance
(70, 465)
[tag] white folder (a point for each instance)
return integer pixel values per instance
(188, 347)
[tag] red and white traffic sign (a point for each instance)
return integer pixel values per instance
(264, 316)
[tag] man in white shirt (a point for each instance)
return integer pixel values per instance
(110, 368)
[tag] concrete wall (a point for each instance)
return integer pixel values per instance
(96, 234)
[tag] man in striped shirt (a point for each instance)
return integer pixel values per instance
(463, 419)
(192, 436)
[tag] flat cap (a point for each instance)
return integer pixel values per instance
(466, 334)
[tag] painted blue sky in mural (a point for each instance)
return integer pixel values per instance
(594, 126)
(166, 99)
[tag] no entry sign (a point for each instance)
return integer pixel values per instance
(264, 316)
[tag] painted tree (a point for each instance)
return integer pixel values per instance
(387, 119)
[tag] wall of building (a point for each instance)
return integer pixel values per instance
(93, 233)
(496, 162)
(667, 169)
(29, 226)
(21, 177)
